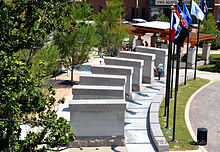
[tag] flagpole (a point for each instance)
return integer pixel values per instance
(197, 47)
(167, 97)
(171, 90)
(167, 100)
(176, 89)
(187, 50)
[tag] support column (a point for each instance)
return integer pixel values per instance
(164, 46)
(139, 41)
(181, 53)
(191, 58)
(153, 40)
(206, 52)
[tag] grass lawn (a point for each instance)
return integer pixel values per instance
(212, 67)
(182, 135)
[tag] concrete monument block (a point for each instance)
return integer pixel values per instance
(97, 122)
(103, 79)
(116, 70)
(191, 58)
(206, 52)
(97, 92)
(161, 55)
(136, 64)
(148, 68)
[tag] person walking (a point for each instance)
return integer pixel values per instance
(160, 70)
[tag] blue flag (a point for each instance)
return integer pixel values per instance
(183, 19)
(188, 16)
(204, 9)
(179, 9)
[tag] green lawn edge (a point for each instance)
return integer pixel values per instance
(212, 67)
(182, 135)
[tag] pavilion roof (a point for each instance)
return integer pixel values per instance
(164, 29)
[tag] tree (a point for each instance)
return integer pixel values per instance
(210, 27)
(111, 33)
(49, 55)
(82, 11)
(27, 25)
(22, 103)
(76, 46)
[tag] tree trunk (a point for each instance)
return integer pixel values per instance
(72, 75)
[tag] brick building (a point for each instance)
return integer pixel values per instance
(152, 9)
(130, 8)
(217, 10)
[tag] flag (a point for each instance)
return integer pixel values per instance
(180, 35)
(179, 32)
(137, 4)
(195, 10)
(204, 9)
(183, 18)
(174, 24)
(187, 15)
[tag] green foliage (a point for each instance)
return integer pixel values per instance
(110, 33)
(75, 46)
(217, 67)
(48, 56)
(82, 11)
(213, 66)
(22, 103)
(163, 18)
(210, 27)
(29, 24)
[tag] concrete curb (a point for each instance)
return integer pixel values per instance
(155, 130)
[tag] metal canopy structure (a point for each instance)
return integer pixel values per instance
(163, 28)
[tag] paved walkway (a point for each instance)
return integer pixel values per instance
(137, 133)
(204, 111)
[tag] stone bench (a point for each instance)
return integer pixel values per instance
(148, 67)
(161, 55)
(136, 64)
(97, 122)
(102, 79)
(116, 70)
(97, 92)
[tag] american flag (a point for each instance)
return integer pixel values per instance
(137, 4)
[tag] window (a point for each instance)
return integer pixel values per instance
(143, 13)
(218, 16)
(133, 12)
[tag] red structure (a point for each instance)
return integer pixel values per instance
(131, 9)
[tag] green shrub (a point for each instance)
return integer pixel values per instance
(163, 18)
(209, 27)
(217, 67)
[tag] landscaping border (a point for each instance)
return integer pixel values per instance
(156, 133)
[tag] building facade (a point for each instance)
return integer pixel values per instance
(217, 10)
(133, 8)
(152, 9)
